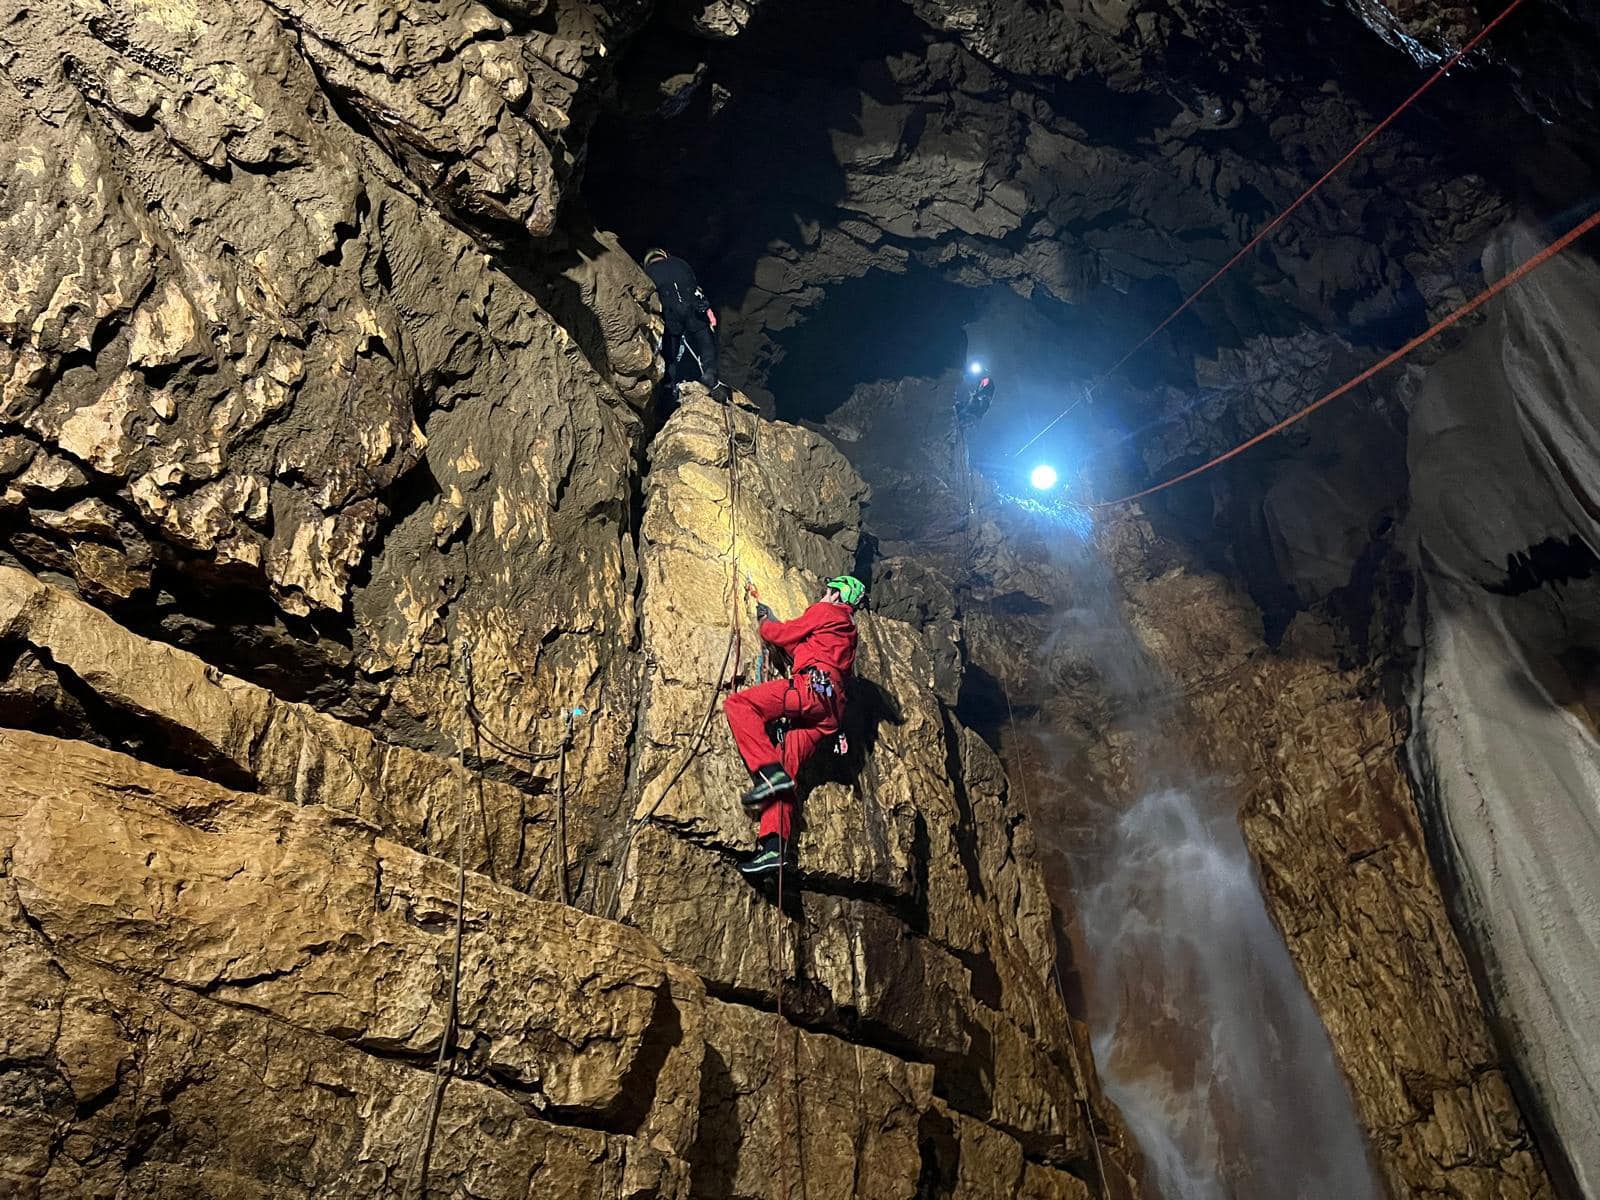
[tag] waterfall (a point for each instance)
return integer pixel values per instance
(1203, 1032)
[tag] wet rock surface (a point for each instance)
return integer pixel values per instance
(1503, 691)
(1312, 752)
(1315, 757)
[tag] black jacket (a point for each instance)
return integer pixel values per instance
(681, 297)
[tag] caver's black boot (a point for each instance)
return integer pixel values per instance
(767, 858)
(769, 782)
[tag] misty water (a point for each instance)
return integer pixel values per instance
(1203, 1032)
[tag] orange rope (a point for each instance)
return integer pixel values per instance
(1267, 229)
(1482, 298)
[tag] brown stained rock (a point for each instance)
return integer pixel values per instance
(710, 18)
(202, 341)
(154, 1091)
(1429, 29)
(794, 525)
(455, 116)
(313, 919)
(1042, 1183)
(844, 960)
(1332, 824)
(972, 1161)
(913, 923)
(526, 553)
(838, 1119)
(239, 314)
(190, 716)
(273, 976)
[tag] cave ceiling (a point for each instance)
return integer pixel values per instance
(874, 191)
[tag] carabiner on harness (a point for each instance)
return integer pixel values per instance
(821, 684)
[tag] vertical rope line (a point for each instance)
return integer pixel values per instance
(777, 1032)
(441, 1073)
(561, 809)
(780, 965)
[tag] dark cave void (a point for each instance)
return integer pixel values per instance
(882, 326)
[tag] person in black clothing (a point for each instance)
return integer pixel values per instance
(971, 407)
(690, 341)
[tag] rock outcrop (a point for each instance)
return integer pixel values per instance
(197, 868)
(1506, 693)
(922, 920)
(345, 561)
(321, 434)
(262, 360)
(1312, 753)
(1315, 756)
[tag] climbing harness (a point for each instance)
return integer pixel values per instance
(821, 682)
(1526, 268)
(1267, 229)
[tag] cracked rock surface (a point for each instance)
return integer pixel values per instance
(342, 532)
(197, 868)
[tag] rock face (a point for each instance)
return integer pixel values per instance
(258, 361)
(198, 870)
(160, 924)
(1505, 695)
(1099, 159)
(1315, 756)
(922, 921)
(343, 544)
(320, 447)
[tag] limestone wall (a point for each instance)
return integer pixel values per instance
(229, 917)
(1506, 694)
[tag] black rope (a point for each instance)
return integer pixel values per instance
(441, 1071)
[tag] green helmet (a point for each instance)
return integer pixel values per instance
(851, 590)
(654, 253)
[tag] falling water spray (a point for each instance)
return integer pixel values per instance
(1203, 1032)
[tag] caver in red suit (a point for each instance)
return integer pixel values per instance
(821, 644)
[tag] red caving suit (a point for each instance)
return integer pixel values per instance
(824, 636)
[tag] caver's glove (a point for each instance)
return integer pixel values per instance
(763, 613)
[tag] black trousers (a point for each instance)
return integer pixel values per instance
(692, 354)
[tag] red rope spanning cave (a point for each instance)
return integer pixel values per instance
(1527, 268)
(1270, 226)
